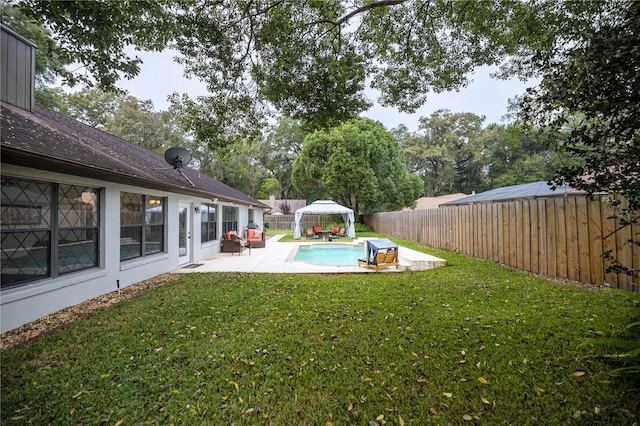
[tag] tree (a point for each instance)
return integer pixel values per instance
(278, 150)
(124, 116)
(311, 59)
(359, 164)
(448, 153)
(515, 157)
(239, 168)
(589, 103)
(136, 121)
(95, 33)
(94, 107)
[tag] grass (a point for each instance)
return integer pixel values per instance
(472, 343)
(287, 236)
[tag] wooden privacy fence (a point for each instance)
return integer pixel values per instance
(287, 222)
(560, 237)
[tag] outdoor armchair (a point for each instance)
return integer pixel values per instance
(234, 244)
(256, 238)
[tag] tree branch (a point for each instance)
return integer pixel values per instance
(365, 8)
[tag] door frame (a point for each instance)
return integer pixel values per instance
(188, 231)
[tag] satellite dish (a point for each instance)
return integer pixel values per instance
(178, 157)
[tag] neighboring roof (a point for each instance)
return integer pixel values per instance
(433, 202)
(275, 205)
(48, 140)
(516, 192)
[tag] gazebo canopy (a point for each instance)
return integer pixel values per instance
(326, 207)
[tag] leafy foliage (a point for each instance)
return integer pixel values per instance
(278, 150)
(94, 34)
(626, 344)
(124, 116)
(312, 59)
(453, 153)
(589, 102)
(358, 164)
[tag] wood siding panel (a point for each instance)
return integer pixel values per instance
(609, 242)
(562, 270)
(583, 240)
(542, 238)
(17, 59)
(624, 252)
(526, 236)
(573, 261)
(535, 236)
(551, 257)
(595, 241)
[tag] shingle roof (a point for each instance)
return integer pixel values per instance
(424, 203)
(48, 140)
(277, 204)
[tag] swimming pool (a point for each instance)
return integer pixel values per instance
(330, 254)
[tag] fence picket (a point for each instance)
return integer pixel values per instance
(560, 237)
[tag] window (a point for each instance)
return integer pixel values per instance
(208, 222)
(48, 229)
(229, 219)
(142, 225)
(251, 215)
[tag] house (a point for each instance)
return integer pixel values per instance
(434, 202)
(84, 213)
(283, 206)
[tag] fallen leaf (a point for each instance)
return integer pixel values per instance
(485, 400)
(483, 380)
(467, 417)
(579, 373)
(400, 421)
(447, 394)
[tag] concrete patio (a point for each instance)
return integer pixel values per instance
(277, 257)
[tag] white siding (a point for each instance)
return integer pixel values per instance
(30, 302)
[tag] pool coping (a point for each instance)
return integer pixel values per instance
(273, 258)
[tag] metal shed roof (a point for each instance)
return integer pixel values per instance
(516, 192)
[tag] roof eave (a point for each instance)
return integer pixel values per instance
(23, 158)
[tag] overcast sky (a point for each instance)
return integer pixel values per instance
(160, 76)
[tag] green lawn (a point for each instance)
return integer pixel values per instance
(472, 343)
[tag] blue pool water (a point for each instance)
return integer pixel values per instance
(330, 254)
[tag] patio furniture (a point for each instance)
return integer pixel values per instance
(256, 238)
(234, 244)
(336, 231)
(381, 253)
(309, 234)
(323, 234)
(317, 229)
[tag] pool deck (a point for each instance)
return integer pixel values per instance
(276, 257)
